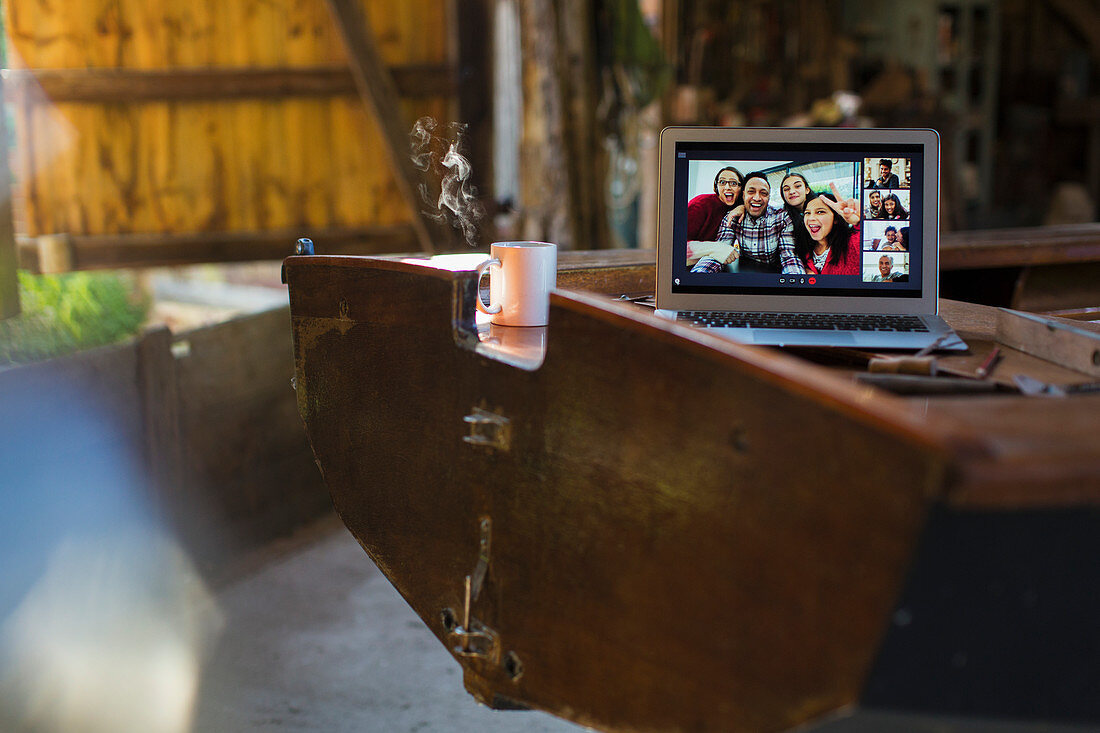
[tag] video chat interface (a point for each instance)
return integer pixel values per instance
(884, 182)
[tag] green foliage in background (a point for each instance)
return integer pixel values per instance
(66, 313)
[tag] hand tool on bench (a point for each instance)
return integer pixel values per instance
(919, 363)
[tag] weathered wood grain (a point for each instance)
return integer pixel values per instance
(987, 248)
(250, 473)
(145, 134)
(110, 85)
(138, 250)
(379, 94)
(159, 400)
(658, 562)
(1057, 286)
(546, 200)
(687, 533)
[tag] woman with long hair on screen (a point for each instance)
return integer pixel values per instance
(891, 206)
(829, 242)
(705, 214)
(873, 209)
(794, 188)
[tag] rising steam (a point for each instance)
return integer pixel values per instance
(437, 155)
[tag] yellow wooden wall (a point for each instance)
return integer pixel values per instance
(196, 166)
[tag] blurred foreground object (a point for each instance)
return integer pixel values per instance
(102, 619)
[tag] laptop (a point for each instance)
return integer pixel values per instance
(746, 263)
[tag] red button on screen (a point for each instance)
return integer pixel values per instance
(812, 281)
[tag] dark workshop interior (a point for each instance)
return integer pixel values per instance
(197, 527)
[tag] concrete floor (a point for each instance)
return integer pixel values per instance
(316, 639)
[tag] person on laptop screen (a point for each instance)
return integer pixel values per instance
(873, 209)
(886, 272)
(886, 177)
(831, 242)
(762, 237)
(706, 211)
(893, 240)
(893, 208)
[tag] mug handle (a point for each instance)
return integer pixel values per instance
(487, 309)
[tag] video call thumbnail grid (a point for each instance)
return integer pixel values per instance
(870, 212)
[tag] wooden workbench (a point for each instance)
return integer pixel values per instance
(663, 530)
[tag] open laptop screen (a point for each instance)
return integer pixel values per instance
(741, 223)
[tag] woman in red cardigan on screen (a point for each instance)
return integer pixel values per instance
(706, 211)
(831, 242)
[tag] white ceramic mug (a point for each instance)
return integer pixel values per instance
(521, 276)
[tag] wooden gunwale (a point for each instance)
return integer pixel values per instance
(986, 464)
(866, 404)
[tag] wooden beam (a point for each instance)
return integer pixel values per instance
(158, 389)
(473, 27)
(546, 198)
(1081, 19)
(9, 282)
(586, 156)
(164, 85)
(1018, 247)
(379, 94)
(91, 252)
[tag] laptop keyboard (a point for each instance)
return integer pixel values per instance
(803, 321)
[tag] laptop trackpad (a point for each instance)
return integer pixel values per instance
(783, 337)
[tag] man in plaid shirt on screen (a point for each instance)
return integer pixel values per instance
(765, 236)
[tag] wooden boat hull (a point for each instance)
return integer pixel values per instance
(659, 531)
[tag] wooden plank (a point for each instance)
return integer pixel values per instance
(89, 252)
(611, 271)
(144, 131)
(546, 202)
(55, 253)
(108, 85)
(233, 377)
(9, 282)
(379, 94)
(583, 260)
(614, 281)
(1052, 287)
(1044, 452)
(1051, 339)
(608, 271)
(1081, 19)
(473, 47)
(1090, 314)
(1022, 246)
(586, 160)
(157, 386)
